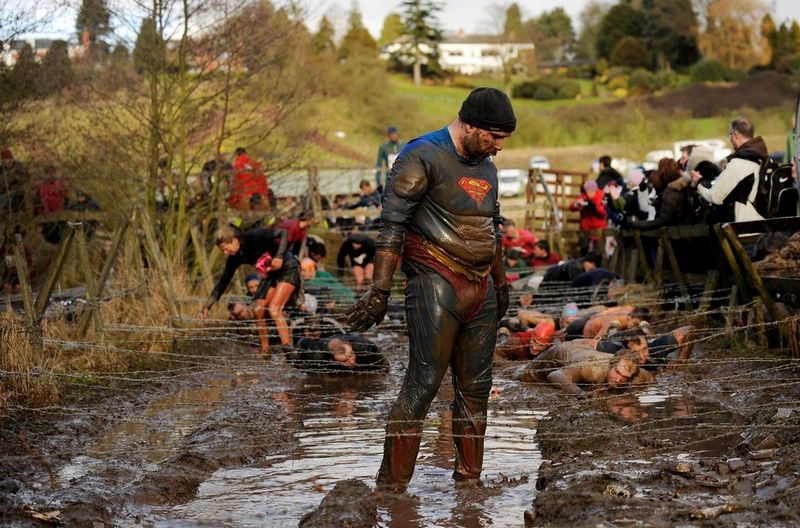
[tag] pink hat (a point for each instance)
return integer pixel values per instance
(590, 185)
(634, 178)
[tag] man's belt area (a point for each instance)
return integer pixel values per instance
(417, 249)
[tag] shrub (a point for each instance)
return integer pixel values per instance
(630, 52)
(618, 82)
(735, 75)
(641, 82)
(666, 79)
(707, 70)
(615, 72)
(547, 88)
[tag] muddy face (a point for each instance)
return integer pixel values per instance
(230, 248)
(620, 374)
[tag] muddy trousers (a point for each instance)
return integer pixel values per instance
(445, 329)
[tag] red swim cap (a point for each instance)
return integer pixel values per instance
(543, 333)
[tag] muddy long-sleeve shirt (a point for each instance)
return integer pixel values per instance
(443, 202)
(252, 245)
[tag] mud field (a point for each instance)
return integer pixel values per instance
(228, 438)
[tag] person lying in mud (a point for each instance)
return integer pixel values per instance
(598, 322)
(280, 271)
(342, 353)
(653, 352)
(574, 363)
(243, 311)
(524, 344)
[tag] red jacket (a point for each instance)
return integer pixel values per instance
(592, 217)
(248, 179)
(524, 242)
(552, 258)
(52, 195)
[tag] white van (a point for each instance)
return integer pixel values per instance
(720, 147)
(511, 181)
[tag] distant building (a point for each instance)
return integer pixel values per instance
(11, 49)
(474, 54)
(466, 54)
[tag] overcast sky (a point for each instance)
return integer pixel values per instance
(472, 16)
(484, 16)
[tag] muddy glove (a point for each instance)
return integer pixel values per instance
(368, 310)
(502, 300)
(371, 307)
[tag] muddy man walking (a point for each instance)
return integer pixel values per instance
(441, 215)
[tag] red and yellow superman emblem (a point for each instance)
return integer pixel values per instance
(476, 189)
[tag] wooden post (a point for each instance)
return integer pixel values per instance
(43, 298)
(731, 305)
(313, 191)
(200, 255)
(728, 254)
(708, 289)
(157, 261)
(116, 243)
(135, 256)
(752, 274)
(676, 270)
(761, 329)
(24, 281)
(637, 237)
(91, 290)
(658, 271)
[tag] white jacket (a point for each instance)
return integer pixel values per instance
(736, 170)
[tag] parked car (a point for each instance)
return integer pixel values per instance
(511, 181)
(719, 147)
(539, 162)
(652, 158)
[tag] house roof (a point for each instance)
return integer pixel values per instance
(460, 38)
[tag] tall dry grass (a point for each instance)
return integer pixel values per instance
(25, 377)
(136, 334)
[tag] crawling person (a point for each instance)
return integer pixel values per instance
(266, 248)
(620, 317)
(653, 353)
(242, 311)
(340, 353)
(570, 364)
(525, 344)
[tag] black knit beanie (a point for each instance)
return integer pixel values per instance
(489, 109)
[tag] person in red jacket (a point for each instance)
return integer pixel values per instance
(543, 256)
(248, 179)
(593, 216)
(518, 238)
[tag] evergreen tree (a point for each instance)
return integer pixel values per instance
(422, 29)
(148, 48)
(629, 52)
(322, 40)
(25, 75)
(392, 29)
(591, 19)
(670, 32)
(621, 21)
(56, 70)
(512, 27)
(93, 19)
(357, 40)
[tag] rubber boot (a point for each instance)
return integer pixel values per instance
(469, 453)
(399, 457)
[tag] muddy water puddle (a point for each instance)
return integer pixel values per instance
(340, 433)
(677, 421)
(152, 435)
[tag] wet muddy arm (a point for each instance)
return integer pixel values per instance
(497, 272)
(563, 379)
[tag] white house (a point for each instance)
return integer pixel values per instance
(466, 54)
(474, 54)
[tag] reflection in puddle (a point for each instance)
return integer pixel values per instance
(153, 434)
(676, 420)
(341, 437)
